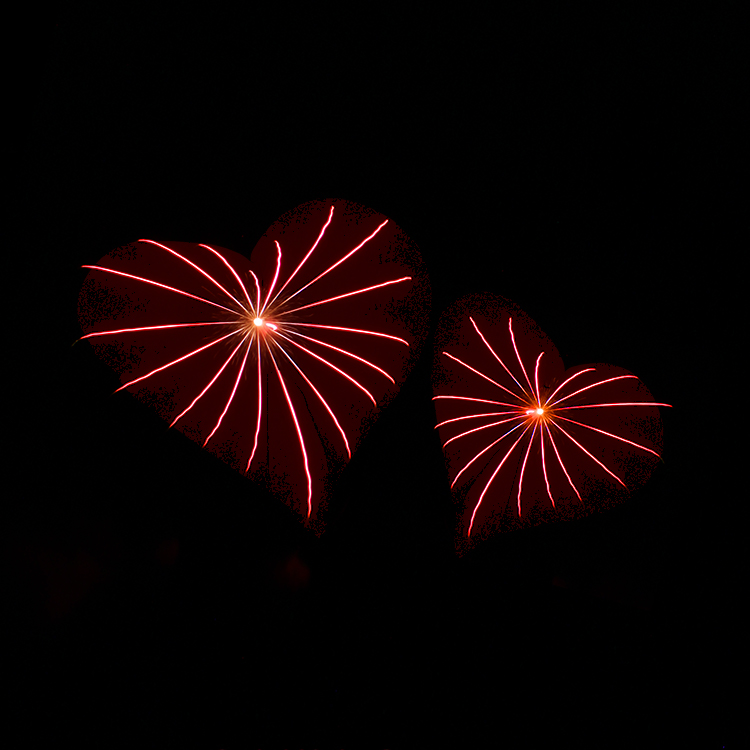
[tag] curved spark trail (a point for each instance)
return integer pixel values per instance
(262, 327)
(530, 418)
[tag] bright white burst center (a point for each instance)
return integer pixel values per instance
(258, 321)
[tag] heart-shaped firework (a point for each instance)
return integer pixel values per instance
(278, 367)
(525, 440)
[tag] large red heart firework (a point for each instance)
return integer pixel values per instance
(525, 440)
(277, 370)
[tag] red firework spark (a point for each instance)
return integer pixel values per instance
(322, 332)
(539, 443)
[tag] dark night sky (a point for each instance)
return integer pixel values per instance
(575, 169)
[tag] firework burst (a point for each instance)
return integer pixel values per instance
(525, 440)
(277, 370)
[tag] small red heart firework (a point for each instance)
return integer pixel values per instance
(527, 441)
(278, 367)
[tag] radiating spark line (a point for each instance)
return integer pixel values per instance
(163, 286)
(603, 432)
(544, 465)
(320, 397)
(175, 361)
(593, 385)
(472, 416)
(256, 311)
(211, 382)
(476, 328)
(565, 382)
(234, 388)
(536, 380)
(482, 375)
(515, 348)
(260, 407)
(299, 433)
(494, 474)
(468, 398)
(343, 351)
(338, 263)
(484, 427)
(620, 403)
(353, 330)
(562, 465)
(590, 456)
(158, 328)
(275, 278)
(332, 366)
(349, 294)
(309, 253)
(523, 467)
(234, 273)
(196, 267)
(482, 452)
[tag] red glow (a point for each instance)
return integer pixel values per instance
(359, 289)
(515, 479)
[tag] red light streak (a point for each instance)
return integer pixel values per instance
(333, 367)
(515, 479)
(156, 283)
(344, 260)
(339, 262)
(231, 397)
(309, 252)
(155, 328)
(176, 361)
(353, 330)
(197, 268)
(260, 402)
(322, 400)
(351, 294)
(348, 354)
(299, 431)
(211, 382)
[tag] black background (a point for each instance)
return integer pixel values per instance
(576, 165)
